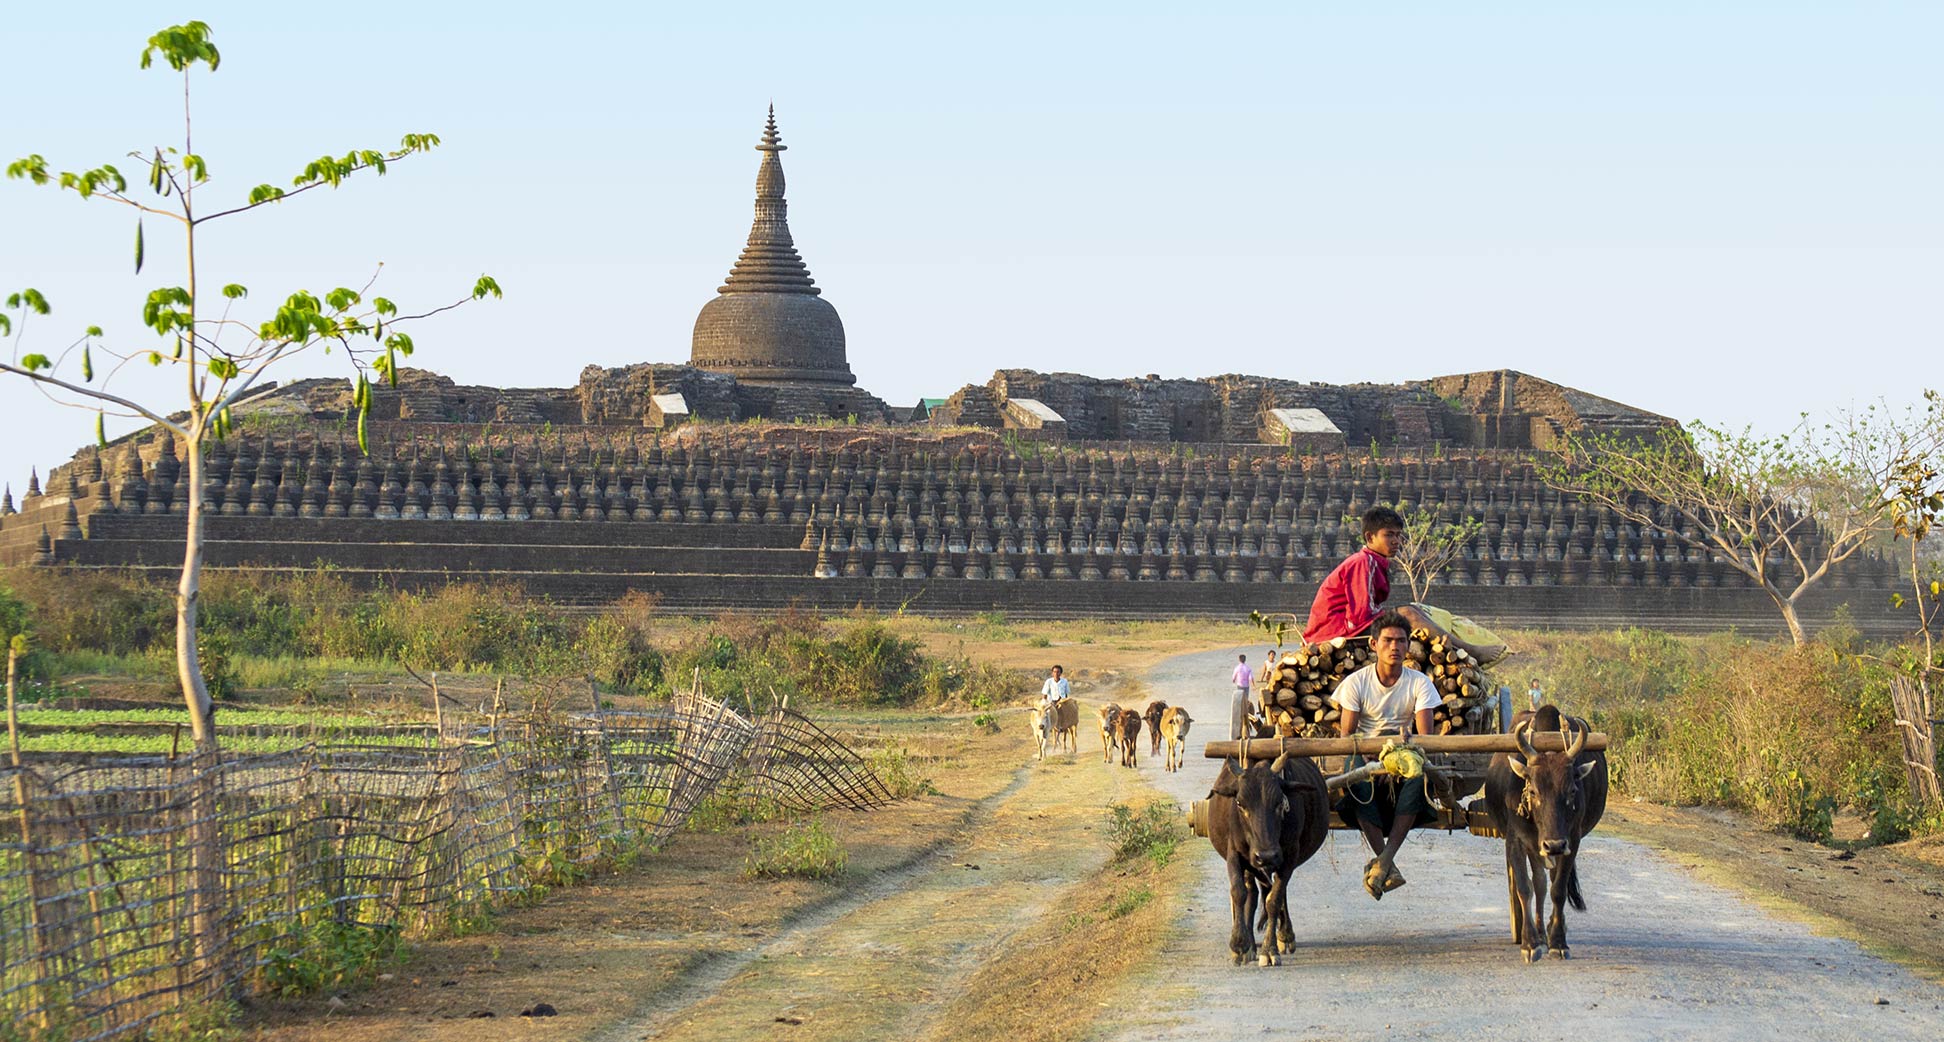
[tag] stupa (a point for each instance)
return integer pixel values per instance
(769, 324)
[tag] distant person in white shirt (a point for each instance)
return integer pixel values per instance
(1056, 687)
(1239, 705)
(1385, 697)
(1536, 694)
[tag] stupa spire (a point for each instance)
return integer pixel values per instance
(769, 322)
(769, 261)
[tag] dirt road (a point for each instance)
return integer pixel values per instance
(1657, 955)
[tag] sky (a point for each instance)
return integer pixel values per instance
(1719, 211)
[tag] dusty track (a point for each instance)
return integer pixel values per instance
(887, 961)
(1659, 954)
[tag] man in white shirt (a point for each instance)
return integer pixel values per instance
(1241, 676)
(1056, 687)
(1383, 698)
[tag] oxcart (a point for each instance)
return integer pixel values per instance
(1454, 768)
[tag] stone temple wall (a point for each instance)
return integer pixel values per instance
(976, 526)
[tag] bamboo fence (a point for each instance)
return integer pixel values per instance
(108, 921)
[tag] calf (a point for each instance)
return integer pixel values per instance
(1109, 730)
(1042, 716)
(1544, 804)
(1152, 717)
(1129, 739)
(1264, 821)
(1174, 728)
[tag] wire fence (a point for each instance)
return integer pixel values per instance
(129, 887)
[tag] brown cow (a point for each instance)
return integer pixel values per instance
(1129, 738)
(1544, 804)
(1174, 727)
(1110, 715)
(1152, 716)
(1066, 726)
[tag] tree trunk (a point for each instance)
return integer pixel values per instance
(1912, 702)
(1787, 606)
(188, 602)
(205, 802)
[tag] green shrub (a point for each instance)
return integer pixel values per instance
(1152, 831)
(208, 1020)
(618, 654)
(1129, 902)
(731, 805)
(213, 658)
(894, 768)
(806, 849)
(328, 955)
(95, 611)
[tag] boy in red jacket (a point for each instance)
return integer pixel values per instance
(1354, 594)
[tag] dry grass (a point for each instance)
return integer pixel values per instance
(1031, 989)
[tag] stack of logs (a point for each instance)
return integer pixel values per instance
(1299, 694)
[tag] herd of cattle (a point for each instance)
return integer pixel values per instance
(1055, 724)
(1267, 818)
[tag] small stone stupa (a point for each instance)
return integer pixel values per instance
(769, 324)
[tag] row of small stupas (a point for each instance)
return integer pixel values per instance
(750, 521)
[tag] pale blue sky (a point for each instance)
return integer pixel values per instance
(1728, 211)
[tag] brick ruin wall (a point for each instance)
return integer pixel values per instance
(712, 522)
(1493, 410)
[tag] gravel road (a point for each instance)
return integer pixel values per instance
(1657, 955)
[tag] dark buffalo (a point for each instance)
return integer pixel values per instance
(1544, 804)
(1152, 716)
(1264, 821)
(1127, 736)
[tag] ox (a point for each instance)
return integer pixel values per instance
(1174, 728)
(1264, 821)
(1544, 804)
(1128, 738)
(1110, 715)
(1055, 723)
(1152, 717)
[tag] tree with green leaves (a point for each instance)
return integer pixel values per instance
(1915, 504)
(197, 328)
(1782, 510)
(1430, 545)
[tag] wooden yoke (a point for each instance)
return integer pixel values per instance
(1270, 748)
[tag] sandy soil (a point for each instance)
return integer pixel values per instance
(1661, 953)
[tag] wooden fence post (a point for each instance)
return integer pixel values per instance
(29, 857)
(607, 763)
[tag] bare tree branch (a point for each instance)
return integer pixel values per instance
(90, 392)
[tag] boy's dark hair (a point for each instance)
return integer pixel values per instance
(1390, 620)
(1057, 666)
(1376, 519)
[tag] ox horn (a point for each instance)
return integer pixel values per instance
(1523, 733)
(1573, 737)
(1281, 762)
